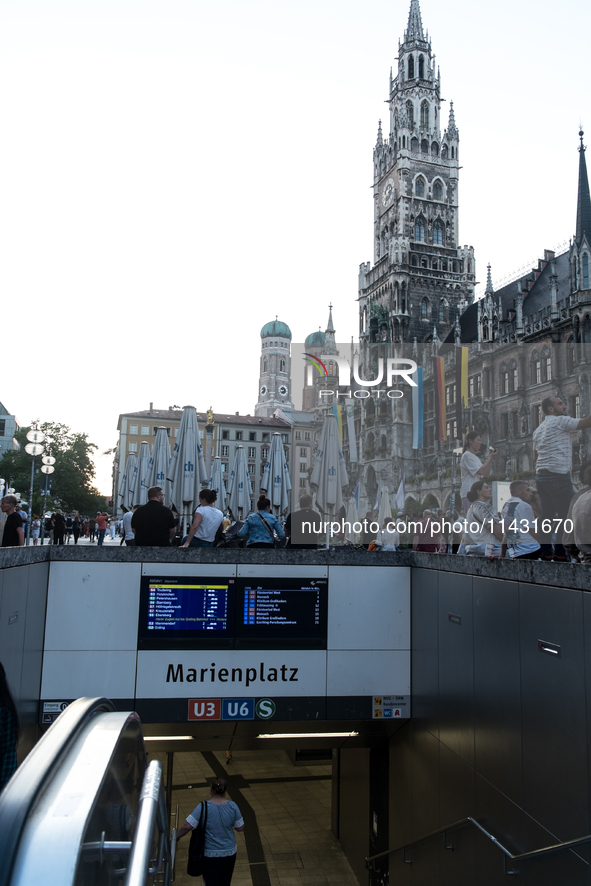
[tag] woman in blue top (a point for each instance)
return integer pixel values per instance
(260, 529)
(223, 818)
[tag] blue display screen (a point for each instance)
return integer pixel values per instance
(186, 612)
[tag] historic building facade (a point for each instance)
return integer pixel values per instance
(421, 278)
(275, 369)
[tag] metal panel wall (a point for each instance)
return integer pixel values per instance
(456, 665)
(425, 648)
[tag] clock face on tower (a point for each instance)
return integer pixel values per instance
(264, 390)
(388, 192)
(282, 390)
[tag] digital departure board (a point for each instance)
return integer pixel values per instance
(281, 613)
(186, 612)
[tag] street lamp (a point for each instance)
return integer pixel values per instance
(47, 469)
(33, 448)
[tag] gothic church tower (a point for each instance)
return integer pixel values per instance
(421, 279)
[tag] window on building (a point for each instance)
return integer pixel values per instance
(303, 482)
(442, 307)
(536, 415)
(2, 427)
(537, 372)
(429, 436)
(252, 452)
(303, 452)
(444, 152)
(452, 429)
(133, 429)
(225, 451)
(504, 382)
(132, 447)
(420, 187)
(239, 435)
(434, 149)
(450, 395)
(420, 229)
(285, 438)
(251, 469)
(264, 453)
(145, 431)
(438, 233)
(574, 404)
(282, 366)
(570, 359)
(585, 271)
(425, 115)
(225, 435)
(306, 435)
(474, 386)
(224, 466)
(265, 437)
(303, 466)
(298, 435)
(424, 309)
(411, 67)
(548, 369)
(505, 425)
(414, 145)
(514, 379)
(252, 435)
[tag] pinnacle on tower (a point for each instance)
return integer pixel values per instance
(452, 129)
(489, 286)
(330, 327)
(380, 141)
(414, 29)
(583, 198)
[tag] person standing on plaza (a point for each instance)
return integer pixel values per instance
(553, 456)
(299, 526)
(101, 527)
(223, 818)
(128, 535)
(262, 528)
(472, 468)
(153, 524)
(13, 535)
(206, 521)
(59, 527)
(76, 528)
(69, 527)
(35, 529)
(91, 529)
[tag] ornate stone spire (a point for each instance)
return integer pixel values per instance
(452, 129)
(330, 346)
(489, 286)
(583, 198)
(414, 29)
(380, 140)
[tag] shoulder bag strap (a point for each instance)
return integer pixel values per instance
(271, 533)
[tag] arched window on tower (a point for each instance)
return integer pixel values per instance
(282, 366)
(444, 152)
(421, 67)
(264, 365)
(425, 309)
(410, 114)
(424, 146)
(414, 145)
(434, 149)
(437, 190)
(438, 233)
(414, 261)
(442, 311)
(425, 115)
(585, 271)
(452, 153)
(420, 187)
(420, 229)
(411, 67)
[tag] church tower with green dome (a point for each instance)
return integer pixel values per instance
(275, 369)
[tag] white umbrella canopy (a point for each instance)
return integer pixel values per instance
(127, 481)
(350, 520)
(141, 486)
(158, 464)
(385, 509)
(239, 486)
(329, 474)
(275, 481)
(186, 469)
(216, 482)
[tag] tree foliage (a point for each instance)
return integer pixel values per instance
(72, 488)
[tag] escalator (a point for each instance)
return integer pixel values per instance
(84, 808)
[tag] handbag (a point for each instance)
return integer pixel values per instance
(197, 845)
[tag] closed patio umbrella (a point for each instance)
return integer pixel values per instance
(352, 517)
(275, 481)
(217, 482)
(186, 469)
(239, 487)
(141, 487)
(385, 510)
(127, 481)
(158, 464)
(329, 474)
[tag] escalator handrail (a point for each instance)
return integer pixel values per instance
(32, 777)
(152, 810)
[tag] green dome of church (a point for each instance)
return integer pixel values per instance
(315, 339)
(276, 327)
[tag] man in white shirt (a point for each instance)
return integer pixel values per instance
(128, 533)
(553, 459)
(518, 521)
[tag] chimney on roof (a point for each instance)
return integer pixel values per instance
(236, 413)
(151, 407)
(549, 254)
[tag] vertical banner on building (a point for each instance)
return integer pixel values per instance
(417, 409)
(338, 414)
(351, 431)
(440, 412)
(461, 385)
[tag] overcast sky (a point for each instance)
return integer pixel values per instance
(177, 172)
